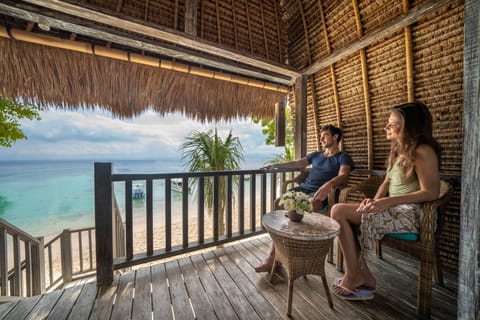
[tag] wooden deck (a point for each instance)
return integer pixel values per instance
(221, 284)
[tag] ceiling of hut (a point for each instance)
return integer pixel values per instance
(209, 59)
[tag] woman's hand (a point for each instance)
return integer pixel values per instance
(373, 206)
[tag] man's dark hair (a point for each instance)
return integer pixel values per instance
(333, 131)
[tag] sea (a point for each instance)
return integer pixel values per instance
(44, 197)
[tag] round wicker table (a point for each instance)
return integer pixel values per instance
(301, 247)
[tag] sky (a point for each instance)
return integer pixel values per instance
(97, 135)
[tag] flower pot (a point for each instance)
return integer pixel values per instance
(294, 216)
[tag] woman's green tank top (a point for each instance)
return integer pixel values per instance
(396, 186)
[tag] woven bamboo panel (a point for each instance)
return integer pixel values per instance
(387, 88)
(297, 53)
(352, 108)
(340, 22)
(375, 13)
(438, 64)
(247, 26)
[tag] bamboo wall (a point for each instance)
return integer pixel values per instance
(433, 66)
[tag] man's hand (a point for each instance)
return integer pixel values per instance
(322, 192)
(267, 167)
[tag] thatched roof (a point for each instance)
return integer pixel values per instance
(236, 70)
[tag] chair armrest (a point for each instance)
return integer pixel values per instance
(367, 188)
(297, 180)
(431, 209)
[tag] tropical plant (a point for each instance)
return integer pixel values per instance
(268, 129)
(206, 151)
(11, 112)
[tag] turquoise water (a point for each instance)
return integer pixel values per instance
(45, 197)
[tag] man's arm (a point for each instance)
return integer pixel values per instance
(300, 163)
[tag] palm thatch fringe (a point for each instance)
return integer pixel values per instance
(64, 79)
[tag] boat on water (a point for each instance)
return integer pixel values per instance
(138, 191)
(177, 185)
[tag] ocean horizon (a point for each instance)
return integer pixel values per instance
(44, 197)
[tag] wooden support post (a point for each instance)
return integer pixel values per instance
(3, 262)
(191, 17)
(103, 223)
(66, 254)
(469, 264)
(17, 268)
(280, 124)
(300, 117)
(38, 267)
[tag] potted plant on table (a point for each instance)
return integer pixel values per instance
(296, 203)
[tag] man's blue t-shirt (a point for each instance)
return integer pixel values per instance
(324, 168)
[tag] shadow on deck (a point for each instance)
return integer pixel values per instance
(221, 284)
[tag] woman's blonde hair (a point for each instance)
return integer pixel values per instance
(416, 129)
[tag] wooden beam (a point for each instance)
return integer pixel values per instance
(366, 92)
(191, 17)
(469, 256)
(409, 56)
(389, 29)
(161, 33)
(305, 31)
(311, 80)
(126, 39)
(300, 117)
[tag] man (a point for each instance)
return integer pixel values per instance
(330, 168)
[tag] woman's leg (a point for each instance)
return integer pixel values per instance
(356, 270)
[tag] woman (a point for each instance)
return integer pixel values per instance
(412, 177)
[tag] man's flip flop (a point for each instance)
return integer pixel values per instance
(355, 295)
(337, 281)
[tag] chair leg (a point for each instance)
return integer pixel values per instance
(424, 291)
(437, 269)
(378, 248)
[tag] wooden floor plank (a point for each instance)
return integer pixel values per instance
(6, 307)
(219, 301)
(238, 301)
(258, 302)
(84, 305)
(103, 304)
(222, 284)
(180, 300)
(142, 302)
(22, 308)
(122, 308)
(44, 306)
(202, 307)
(161, 302)
(65, 303)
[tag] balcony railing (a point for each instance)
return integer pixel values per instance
(239, 199)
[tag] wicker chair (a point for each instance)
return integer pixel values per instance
(332, 197)
(425, 248)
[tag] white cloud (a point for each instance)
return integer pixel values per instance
(97, 135)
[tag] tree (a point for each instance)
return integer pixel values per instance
(205, 151)
(268, 129)
(11, 112)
